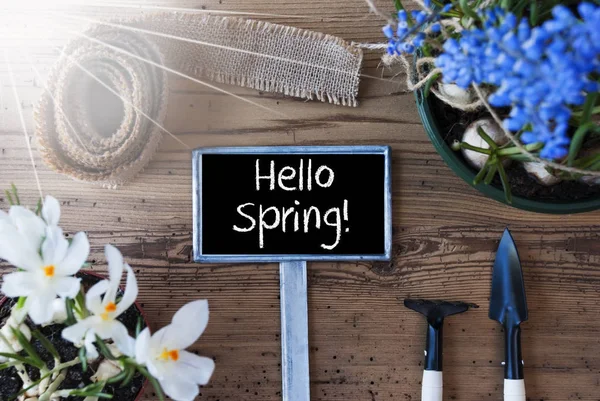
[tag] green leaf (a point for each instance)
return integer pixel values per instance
(585, 162)
(399, 5)
(121, 376)
(80, 303)
(89, 389)
(129, 377)
(16, 194)
(46, 344)
(104, 349)
(92, 390)
(595, 166)
(520, 157)
(28, 348)
(7, 365)
(154, 382)
(579, 113)
(17, 357)
(493, 145)
(69, 305)
(480, 174)
(39, 206)
(138, 326)
(9, 197)
(513, 150)
(79, 393)
(428, 84)
(83, 358)
(534, 13)
(491, 174)
(505, 183)
(426, 49)
(588, 106)
(466, 8)
(520, 7)
(577, 141)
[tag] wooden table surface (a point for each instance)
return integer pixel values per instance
(364, 345)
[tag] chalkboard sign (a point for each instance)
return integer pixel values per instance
(272, 204)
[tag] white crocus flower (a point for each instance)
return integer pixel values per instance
(51, 211)
(45, 274)
(178, 371)
(59, 312)
(103, 321)
(29, 228)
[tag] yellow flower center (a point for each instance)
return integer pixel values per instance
(49, 271)
(110, 307)
(172, 355)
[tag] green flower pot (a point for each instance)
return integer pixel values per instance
(458, 165)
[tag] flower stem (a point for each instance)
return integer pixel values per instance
(468, 146)
(513, 150)
(490, 174)
(66, 365)
(481, 174)
(48, 394)
(19, 367)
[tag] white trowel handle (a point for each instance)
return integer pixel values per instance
(433, 386)
(514, 390)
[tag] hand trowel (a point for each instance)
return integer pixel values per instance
(508, 305)
(434, 312)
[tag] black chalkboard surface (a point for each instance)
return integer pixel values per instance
(292, 203)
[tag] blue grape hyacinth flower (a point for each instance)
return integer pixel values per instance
(540, 72)
(405, 39)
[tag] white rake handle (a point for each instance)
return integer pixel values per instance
(514, 390)
(433, 386)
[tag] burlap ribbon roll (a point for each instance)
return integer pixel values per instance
(88, 133)
(102, 140)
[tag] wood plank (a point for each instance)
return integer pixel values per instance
(364, 344)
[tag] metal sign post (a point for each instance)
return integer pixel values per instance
(294, 331)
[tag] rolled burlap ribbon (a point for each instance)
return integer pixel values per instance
(85, 131)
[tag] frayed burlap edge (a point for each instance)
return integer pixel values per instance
(166, 22)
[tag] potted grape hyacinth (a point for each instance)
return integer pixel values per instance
(508, 93)
(68, 334)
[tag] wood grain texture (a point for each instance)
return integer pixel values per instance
(365, 345)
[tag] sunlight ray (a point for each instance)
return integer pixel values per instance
(56, 104)
(2, 106)
(123, 99)
(23, 125)
(193, 10)
(204, 43)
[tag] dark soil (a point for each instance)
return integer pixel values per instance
(11, 384)
(452, 123)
